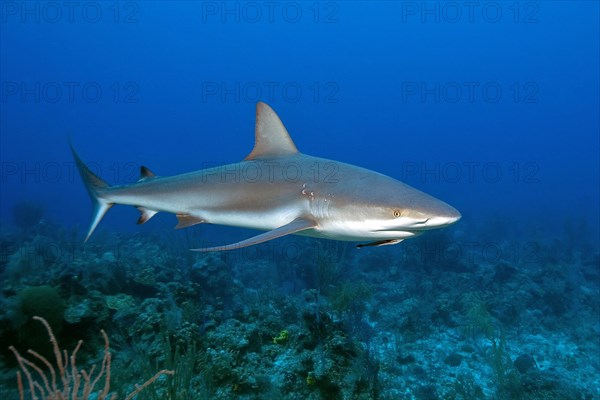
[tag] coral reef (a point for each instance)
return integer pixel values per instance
(424, 321)
(63, 379)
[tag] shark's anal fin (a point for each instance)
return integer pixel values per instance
(146, 214)
(296, 225)
(187, 220)
(379, 243)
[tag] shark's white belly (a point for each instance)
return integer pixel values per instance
(264, 220)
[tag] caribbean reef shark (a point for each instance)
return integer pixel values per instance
(282, 191)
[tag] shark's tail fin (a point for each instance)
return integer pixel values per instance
(95, 187)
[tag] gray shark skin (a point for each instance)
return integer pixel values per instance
(282, 191)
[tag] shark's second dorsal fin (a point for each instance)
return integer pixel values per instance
(145, 174)
(271, 137)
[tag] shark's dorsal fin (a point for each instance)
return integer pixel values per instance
(271, 137)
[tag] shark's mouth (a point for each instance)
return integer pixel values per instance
(408, 228)
(401, 234)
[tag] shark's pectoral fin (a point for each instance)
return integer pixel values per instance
(296, 225)
(380, 243)
(187, 220)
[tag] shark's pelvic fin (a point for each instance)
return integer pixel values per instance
(95, 187)
(187, 220)
(296, 225)
(271, 138)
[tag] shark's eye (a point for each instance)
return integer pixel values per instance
(397, 213)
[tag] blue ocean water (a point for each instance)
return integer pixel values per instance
(492, 107)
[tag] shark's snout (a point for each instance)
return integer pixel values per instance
(440, 222)
(435, 214)
(444, 215)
